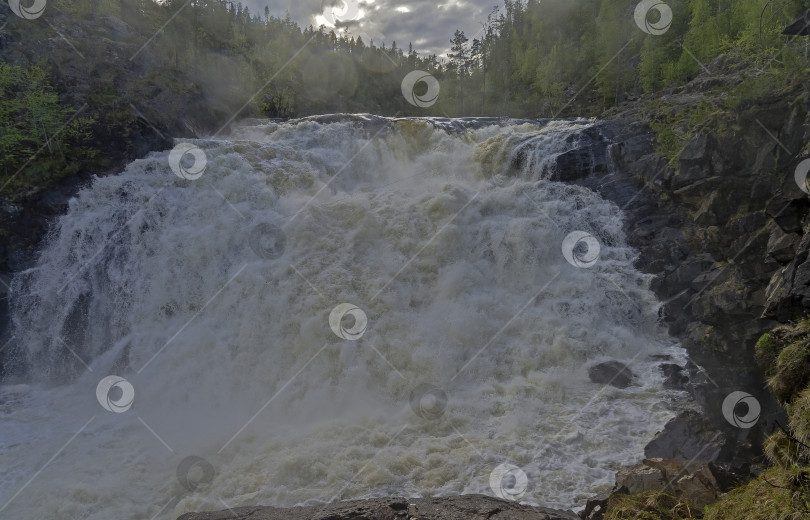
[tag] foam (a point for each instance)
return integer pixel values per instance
(430, 233)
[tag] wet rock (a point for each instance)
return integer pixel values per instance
(782, 246)
(788, 294)
(611, 373)
(595, 507)
(688, 438)
(580, 163)
(675, 377)
(464, 507)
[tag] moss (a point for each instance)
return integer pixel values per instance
(766, 350)
(778, 494)
(781, 450)
(674, 125)
(650, 505)
(791, 371)
(800, 417)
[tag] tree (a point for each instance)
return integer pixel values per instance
(460, 60)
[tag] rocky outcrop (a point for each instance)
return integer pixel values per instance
(709, 254)
(464, 507)
(689, 438)
(697, 486)
(725, 234)
(722, 233)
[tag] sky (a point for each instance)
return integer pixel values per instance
(428, 24)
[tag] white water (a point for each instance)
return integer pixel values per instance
(151, 277)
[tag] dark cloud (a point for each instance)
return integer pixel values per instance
(428, 25)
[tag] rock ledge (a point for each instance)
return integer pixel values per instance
(464, 507)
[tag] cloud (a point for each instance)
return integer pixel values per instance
(422, 22)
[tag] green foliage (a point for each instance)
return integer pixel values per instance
(766, 349)
(781, 450)
(650, 505)
(704, 29)
(782, 492)
(778, 494)
(675, 125)
(531, 57)
(769, 83)
(40, 139)
(785, 355)
(800, 418)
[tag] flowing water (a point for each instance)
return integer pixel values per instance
(449, 247)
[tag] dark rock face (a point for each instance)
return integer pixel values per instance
(464, 507)
(725, 235)
(675, 377)
(788, 294)
(611, 373)
(687, 438)
(713, 236)
(595, 507)
(587, 158)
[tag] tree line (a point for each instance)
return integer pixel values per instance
(531, 58)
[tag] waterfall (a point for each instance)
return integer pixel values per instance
(325, 309)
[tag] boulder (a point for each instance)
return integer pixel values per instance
(595, 507)
(687, 437)
(611, 373)
(698, 486)
(639, 478)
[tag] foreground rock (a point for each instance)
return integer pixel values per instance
(697, 486)
(689, 438)
(465, 507)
